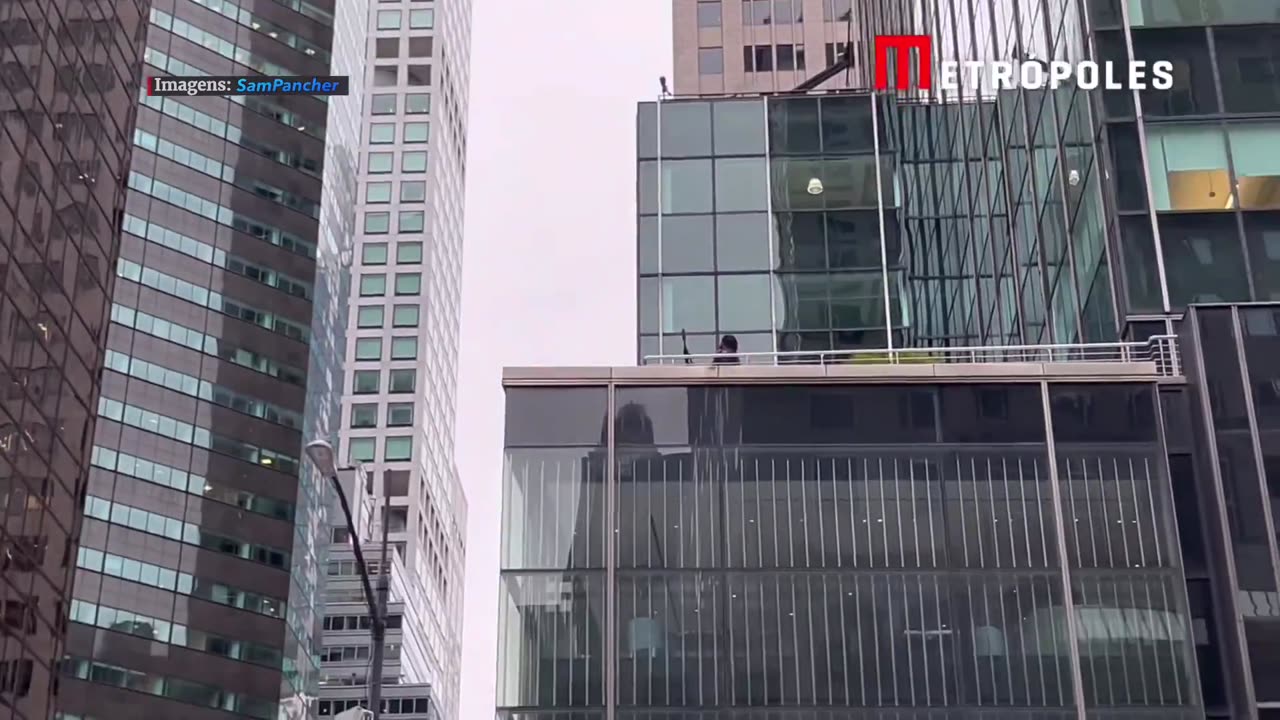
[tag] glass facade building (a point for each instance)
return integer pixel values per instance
(198, 565)
(1056, 217)
(689, 546)
(68, 86)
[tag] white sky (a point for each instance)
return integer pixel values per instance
(549, 274)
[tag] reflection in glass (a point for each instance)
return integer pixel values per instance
(1193, 91)
(1246, 56)
(744, 303)
(686, 128)
(739, 127)
(553, 509)
(550, 640)
(1204, 261)
(741, 184)
(742, 242)
(1134, 641)
(686, 186)
(1262, 238)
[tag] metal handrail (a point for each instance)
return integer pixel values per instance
(1162, 350)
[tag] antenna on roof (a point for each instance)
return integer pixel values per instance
(662, 81)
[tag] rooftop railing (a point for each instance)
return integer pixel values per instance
(1160, 350)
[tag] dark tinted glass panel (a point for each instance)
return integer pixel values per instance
(838, 416)
(1111, 47)
(1140, 264)
(1129, 176)
(1263, 639)
(992, 414)
(1103, 413)
(1204, 261)
(742, 242)
(1193, 90)
(686, 244)
(1186, 505)
(794, 126)
(801, 241)
(1208, 653)
(1261, 339)
(853, 240)
(1248, 60)
(1262, 238)
(1225, 389)
(1176, 409)
(739, 127)
(647, 131)
(685, 128)
(846, 124)
(556, 416)
(1242, 492)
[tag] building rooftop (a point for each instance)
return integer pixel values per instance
(1156, 358)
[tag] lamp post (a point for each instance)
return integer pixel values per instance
(321, 454)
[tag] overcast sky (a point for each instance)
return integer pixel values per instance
(549, 273)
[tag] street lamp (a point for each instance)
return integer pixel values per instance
(321, 454)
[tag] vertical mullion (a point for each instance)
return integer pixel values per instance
(977, 512)
(1157, 536)
(1008, 508)
(1137, 514)
(995, 528)
(1124, 536)
(1106, 515)
(964, 524)
(884, 519)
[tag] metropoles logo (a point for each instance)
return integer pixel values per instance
(1008, 74)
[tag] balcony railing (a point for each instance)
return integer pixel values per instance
(1160, 350)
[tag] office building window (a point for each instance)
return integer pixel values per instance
(381, 162)
(377, 223)
(408, 253)
(399, 414)
(398, 448)
(388, 19)
(373, 253)
(369, 348)
(364, 415)
(362, 449)
(383, 105)
(422, 19)
(413, 191)
(386, 76)
(711, 61)
(419, 75)
(377, 192)
(757, 58)
(365, 382)
(1257, 164)
(402, 381)
(373, 284)
(709, 13)
(370, 316)
(757, 12)
(404, 316)
(387, 48)
(404, 348)
(1189, 167)
(408, 283)
(417, 103)
(382, 133)
(411, 221)
(835, 51)
(417, 132)
(420, 47)
(790, 57)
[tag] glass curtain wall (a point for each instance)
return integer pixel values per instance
(1002, 207)
(724, 549)
(1198, 216)
(1236, 351)
(760, 218)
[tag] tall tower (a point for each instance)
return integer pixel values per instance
(197, 569)
(398, 409)
(68, 82)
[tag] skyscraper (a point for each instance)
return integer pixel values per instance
(737, 46)
(398, 409)
(198, 566)
(68, 88)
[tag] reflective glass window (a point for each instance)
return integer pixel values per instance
(1188, 167)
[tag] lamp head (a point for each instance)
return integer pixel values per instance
(815, 186)
(321, 454)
